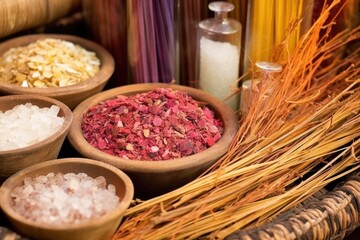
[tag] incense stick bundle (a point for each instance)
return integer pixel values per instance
(151, 38)
(139, 34)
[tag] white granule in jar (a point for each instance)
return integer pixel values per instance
(64, 198)
(27, 124)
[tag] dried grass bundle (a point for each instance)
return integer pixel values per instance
(300, 133)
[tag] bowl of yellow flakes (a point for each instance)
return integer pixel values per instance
(64, 67)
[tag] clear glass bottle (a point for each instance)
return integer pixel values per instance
(218, 54)
(264, 75)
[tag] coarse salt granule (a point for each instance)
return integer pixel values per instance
(27, 124)
(64, 198)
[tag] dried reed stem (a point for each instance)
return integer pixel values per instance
(299, 135)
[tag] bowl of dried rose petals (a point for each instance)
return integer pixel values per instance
(161, 135)
(69, 198)
(32, 130)
(65, 67)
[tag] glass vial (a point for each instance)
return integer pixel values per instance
(261, 86)
(218, 54)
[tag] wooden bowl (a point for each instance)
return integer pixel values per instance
(152, 178)
(70, 95)
(15, 160)
(101, 228)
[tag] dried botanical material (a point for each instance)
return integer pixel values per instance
(48, 63)
(291, 143)
(64, 198)
(158, 125)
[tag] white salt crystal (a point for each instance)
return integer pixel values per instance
(68, 198)
(24, 112)
(111, 188)
(219, 69)
(68, 176)
(59, 193)
(57, 123)
(86, 202)
(82, 175)
(64, 213)
(53, 111)
(28, 190)
(27, 180)
(74, 184)
(50, 175)
(41, 179)
(27, 124)
(75, 204)
(98, 206)
(100, 182)
(88, 184)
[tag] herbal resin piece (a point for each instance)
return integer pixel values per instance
(219, 54)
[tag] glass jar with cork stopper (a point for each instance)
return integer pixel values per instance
(218, 54)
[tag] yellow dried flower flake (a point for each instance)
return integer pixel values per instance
(48, 63)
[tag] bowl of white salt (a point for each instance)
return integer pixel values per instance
(69, 198)
(32, 130)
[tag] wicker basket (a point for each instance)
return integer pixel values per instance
(326, 215)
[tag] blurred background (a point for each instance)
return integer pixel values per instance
(155, 41)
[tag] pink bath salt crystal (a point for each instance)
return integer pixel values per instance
(64, 198)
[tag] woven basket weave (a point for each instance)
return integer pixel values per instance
(18, 15)
(326, 215)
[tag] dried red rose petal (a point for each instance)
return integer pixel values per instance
(157, 121)
(158, 125)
